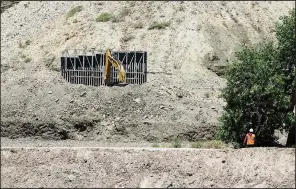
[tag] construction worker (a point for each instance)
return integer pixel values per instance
(249, 140)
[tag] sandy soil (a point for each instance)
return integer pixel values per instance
(82, 166)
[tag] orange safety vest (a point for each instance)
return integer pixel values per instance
(250, 139)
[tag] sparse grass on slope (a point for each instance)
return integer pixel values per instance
(120, 17)
(104, 17)
(21, 45)
(27, 59)
(217, 144)
(176, 143)
(73, 11)
(127, 38)
(155, 145)
(159, 25)
(125, 12)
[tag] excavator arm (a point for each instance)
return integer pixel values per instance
(109, 60)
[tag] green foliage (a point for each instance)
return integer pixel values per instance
(285, 32)
(155, 145)
(176, 143)
(73, 11)
(259, 87)
(104, 17)
(159, 25)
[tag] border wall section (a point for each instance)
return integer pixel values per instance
(88, 66)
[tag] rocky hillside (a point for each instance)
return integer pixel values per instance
(187, 44)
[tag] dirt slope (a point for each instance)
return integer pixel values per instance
(181, 100)
(147, 167)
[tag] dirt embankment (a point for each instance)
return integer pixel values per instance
(150, 167)
(182, 99)
(7, 4)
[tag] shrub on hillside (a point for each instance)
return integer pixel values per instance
(104, 17)
(175, 142)
(73, 11)
(159, 25)
(27, 59)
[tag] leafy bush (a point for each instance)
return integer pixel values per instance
(104, 17)
(159, 26)
(285, 32)
(73, 11)
(258, 90)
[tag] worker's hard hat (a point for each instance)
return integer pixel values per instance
(251, 130)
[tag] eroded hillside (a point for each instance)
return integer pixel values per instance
(181, 96)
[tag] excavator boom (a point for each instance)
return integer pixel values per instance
(110, 60)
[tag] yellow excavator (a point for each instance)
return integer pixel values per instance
(110, 60)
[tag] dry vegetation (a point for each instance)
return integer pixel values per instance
(159, 25)
(73, 11)
(216, 144)
(104, 17)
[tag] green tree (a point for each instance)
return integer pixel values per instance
(259, 85)
(285, 33)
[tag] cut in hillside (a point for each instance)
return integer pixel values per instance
(187, 43)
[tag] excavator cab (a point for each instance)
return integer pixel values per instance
(112, 61)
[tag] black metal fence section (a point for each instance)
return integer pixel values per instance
(88, 66)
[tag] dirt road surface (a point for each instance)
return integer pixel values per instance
(55, 165)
